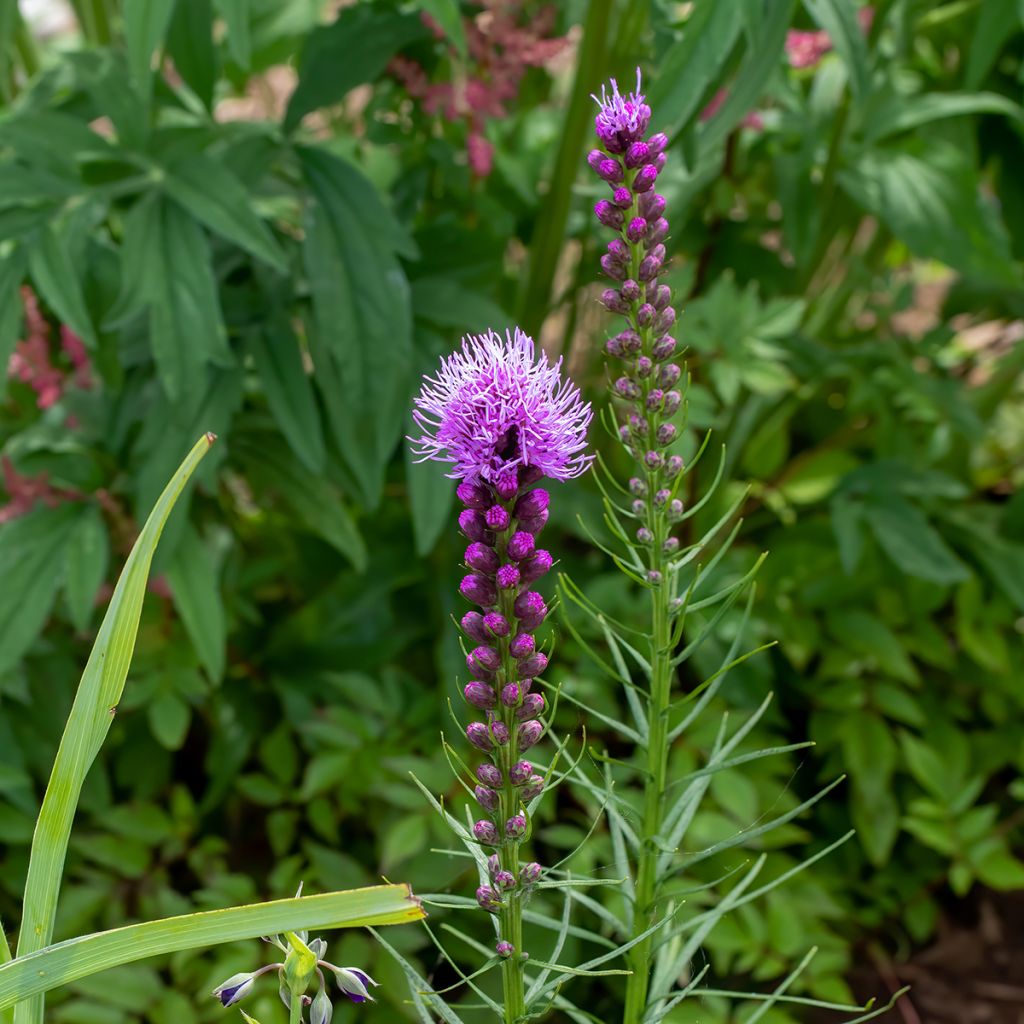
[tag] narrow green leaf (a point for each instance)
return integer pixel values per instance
(64, 962)
(12, 273)
(839, 19)
(236, 15)
(430, 498)
(91, 715)
(190, 45)
(447, 14)
(908, 112)
(58, 282)
(994, 27)
(145, 22)
(88, 553)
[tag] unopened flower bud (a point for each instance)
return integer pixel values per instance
(644, 181)
(511, 694)
(520, 773)
(474, 626)
(235, 988)
(489, 774)
(630, 290)
(615, 270)
(533, 666)
(618, 249)
(507, 484)
(608, 215)
(321, 1009)
(489, 899)
(651, 206)
(493, 866)
(659, 161)
(610, 170)
(661, 497)
(532, 503)
(521, 545)
(484, 660)
(631, 342)
(529, 475)
(663, 347)
(650, 268)
(669, 374)
(654, 460)
(481, 557)
(504, 949)
(529, 734)
(500, 733)
(673, 466)
(662, 296)
(530, 609)
(637, 487)
(534, 524)
(627, 388)
(532, 707)
(595, 158)
(671, 545)
(504, 881)
(515, 828)
(497, 518)
(473, 525)
(624, 435)
(522, 645)
(645, 315)
(622, 198)
(480, 695)
(614, 348)
(658, 233)
(508, 576)
(487, 798)
(644, 536)
(485, 832)
(478, 589)
(537, 565)
(675, 510)
(480, 736)
(654, 399)
(613, 301)
(672, 402)
(666, 318)
(644, 366)
(666, 434)
(654, 577)
(473, 495)
(636, 229)
(529, 874)
(533, 788)
(656, 144)
(496, 625)
(637, 154)
(639, 508)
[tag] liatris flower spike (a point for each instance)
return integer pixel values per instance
(504, 418)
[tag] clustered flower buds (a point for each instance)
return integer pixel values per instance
(634, 260)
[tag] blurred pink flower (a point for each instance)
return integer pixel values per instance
(751, 120)
(24, 491)
(805, 49)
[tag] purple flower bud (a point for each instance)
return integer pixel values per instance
(661, 497)
(508, 576)
(519, 774)
(495, 625)
(637, 229)
(637, 487)
(645, 179)
(533, 788)
(654, 460)
(493, 865)
(497, 518)
(637, 154)
(613, 268)
(489, 899)
(486, 798)
(626, 388)
(645, 314)
(672, 402)
(663, 347)
(529, 475)
(480, 695)
(639, 508)
(668, 374)
(595, 158)
(675, 510)
(511, 694)
(481, 557)
(631, 342)
(530, 609)
(507, 484)
(671, 545)
(666, 318)
(485, 832)
(637, 425)
(480, 736)
(504, 881)
(674, 466)
(473, 525)
(610, 170)
(521, 545)
(613, 301)
(533, 666)
(529, 874)
(478, 589)
(657, 144)
(617, 249)
(658, 233)
(624, 436)
(529, 733)
(473, 495)
(651, 206)
(662, 297)
(622, 198)
(500, 733)
(659, 161)
(654, 399)
(532, 707)
(504, 949)
(534, 524)
(474, 626)
(613, 346)
(650, 268)
(537, 565)
(489, 774)
(484, 660)
(644, 536)
(657, 251)
(532, 503)
(608, 215)
(515, 827)
(630, 290)
(522, 646)
(644, 366)
(654, 577)
(237, 987)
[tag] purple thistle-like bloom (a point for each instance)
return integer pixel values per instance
(622, 120)
(496, 406)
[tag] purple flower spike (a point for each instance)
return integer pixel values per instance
(483, 659)
(473, 525)
(522, 645)
(473, 496)
(504, 881)
(489, 899)
(498, 405)
(515, 828)
(474, 625)
(645, 179)
(489, 774)
(519, 774)
(497, 518)
(480, 695)
(504, 949)
(529, 734)
(532, 707)
(530, 609)
(536, 565)
(511, 694)
(532, 504)
(480, 736)
(508, 576)
(487, 798)
(500, 733)
(622, 120)
(495, 625)
(485, 832)
(481, 557)
(521, 545)
(529, 874)
(534, 787)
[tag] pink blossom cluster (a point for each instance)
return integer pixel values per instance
(24, 491)
(31, 361)
(805, 49)
(502, 44)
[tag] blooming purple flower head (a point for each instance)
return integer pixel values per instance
(622, 120)
(495, 407)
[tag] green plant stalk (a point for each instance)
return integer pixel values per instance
(87, 726)
(548, 241)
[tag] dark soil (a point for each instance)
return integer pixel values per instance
(973, 972)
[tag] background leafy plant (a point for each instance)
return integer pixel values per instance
(853, 276)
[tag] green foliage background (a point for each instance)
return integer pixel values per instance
(851, 274)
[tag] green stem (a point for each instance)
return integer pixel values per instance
(295, 1010)
(548, 240)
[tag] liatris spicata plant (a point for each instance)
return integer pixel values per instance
(505, 418)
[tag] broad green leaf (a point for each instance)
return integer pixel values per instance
(12, 273)
(236, 15)
(907, 537)
(145, 22)
(195, 590)
(354, 49)
(64, 962)
(995, 25)
(88, 553)
(169, 718)
(931, 199)
(216, 198)
(58, 282)
(87, 726)
(33, 551)
(361, 336)
(289, 390)
(839, 19)
(907, 112)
